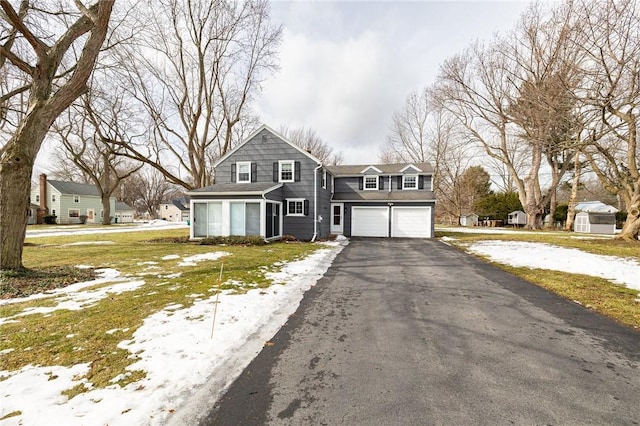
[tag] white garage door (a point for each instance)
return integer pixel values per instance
(411, 222)
(370, 221)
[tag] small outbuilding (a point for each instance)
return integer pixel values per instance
(124, 213)
(595, 217)
(470, 219)
(517, 218)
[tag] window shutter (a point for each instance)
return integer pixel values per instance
(306, 207)
(296, 171)
(380, 182)
(420, 182)
(361, 183)
(399, 182)
(254, 172)
(275, 172)
(233, 172)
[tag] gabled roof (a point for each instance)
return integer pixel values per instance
(74, 188)
(374, 168)
(387, 169)
(120, 205)
(411, 166)
(595, 207)
(255, 133)
(181, 203)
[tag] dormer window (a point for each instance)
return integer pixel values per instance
(371, 182)
(410, 182)
(243, 172)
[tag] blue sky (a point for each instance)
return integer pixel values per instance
(345, 67)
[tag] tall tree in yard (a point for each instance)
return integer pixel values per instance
(612, 34)
(203, 65)
(41, 82)
(89, 131)
(504, 93)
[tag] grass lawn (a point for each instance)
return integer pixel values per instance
(68, 337)
(613, 300)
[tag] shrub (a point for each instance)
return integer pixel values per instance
(288, 238)
(50, 219)
(83, 218)
(234, 240)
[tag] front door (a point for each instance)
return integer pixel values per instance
(91, 215)
(337, 218)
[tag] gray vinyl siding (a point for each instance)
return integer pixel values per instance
(352, 184)
(64, 202)
(266, 151)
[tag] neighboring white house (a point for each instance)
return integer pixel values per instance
(124, 213)
(68, 201)
(470, 219)
(595, 217)
(517, 218)
(175, 211)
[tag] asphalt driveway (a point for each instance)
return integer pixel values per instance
(414, 332)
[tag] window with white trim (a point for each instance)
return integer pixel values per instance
(410, 182)
(286, 171)
(295, 207)
(53, 198)
(74, 212)
(243, 171)
(371, 182)
(76, 198)
(324, 179)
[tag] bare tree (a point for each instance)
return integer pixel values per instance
(502, 94)
(423, 131)
(613, 89)
(146, 189)
(308, 140)
(202, 65)
(410, 139)
(90, 133)
(34, 42)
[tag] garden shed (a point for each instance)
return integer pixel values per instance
(595, 217)
(517, 218)
(470, 219)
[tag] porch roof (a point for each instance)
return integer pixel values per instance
(223, 189)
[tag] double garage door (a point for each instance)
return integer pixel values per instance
(401, 222)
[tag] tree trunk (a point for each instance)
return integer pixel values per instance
(106, 209)
(553, 204)
(15, 188)
(571, 211)
(631, 227)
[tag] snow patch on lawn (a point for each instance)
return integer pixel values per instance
(188, 361)
(78, 301)
(545, 256)
(193, 260)
(106, 275)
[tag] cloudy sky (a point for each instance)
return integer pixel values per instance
(347, 66)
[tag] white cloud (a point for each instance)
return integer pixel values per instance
(347, 66)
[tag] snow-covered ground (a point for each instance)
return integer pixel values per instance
(64, 230)
(189, 360)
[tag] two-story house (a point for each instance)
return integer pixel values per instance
(176, 210)
(270, 187)
(68, 201)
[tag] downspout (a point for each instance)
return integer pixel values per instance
(315, 203)
(265, 208)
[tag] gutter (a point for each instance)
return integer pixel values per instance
(315, 203)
